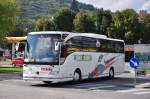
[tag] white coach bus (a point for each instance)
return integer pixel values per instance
(56, 56)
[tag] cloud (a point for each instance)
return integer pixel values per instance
(115, 5)
(146, 6)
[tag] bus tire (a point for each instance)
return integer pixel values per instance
(77, 75)
(111, 73)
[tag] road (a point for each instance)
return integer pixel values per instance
(121, 88)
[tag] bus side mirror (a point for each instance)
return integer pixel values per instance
(17, 46)
(57, 44)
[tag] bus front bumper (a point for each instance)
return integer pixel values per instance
(34, 78)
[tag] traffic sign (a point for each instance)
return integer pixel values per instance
(134, 63)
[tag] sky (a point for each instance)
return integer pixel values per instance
(115, 5)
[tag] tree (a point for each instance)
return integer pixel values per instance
(119, 24)
(63, 19)
(8, 18)
(102, 20)
(144, 19)
(9, 12)
(111, 31)
(45, 24)
(126, 22)
(50, 25)
(18, 32)
(28, 25)
(129, 37)
(83, 23)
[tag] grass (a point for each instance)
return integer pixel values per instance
(147, 71)
(11, 70)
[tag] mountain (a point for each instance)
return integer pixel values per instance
(33, 9)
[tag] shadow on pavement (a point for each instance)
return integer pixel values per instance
(119, 83)
(98, 84)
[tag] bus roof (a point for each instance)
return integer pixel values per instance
(71, 34)
(15, 39)
(49, 32)
(98, 36)
(87, 35)
(115, 39)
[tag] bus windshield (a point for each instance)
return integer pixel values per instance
(40, 48)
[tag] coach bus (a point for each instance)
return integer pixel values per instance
(56, 56)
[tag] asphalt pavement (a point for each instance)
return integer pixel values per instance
(121, 88)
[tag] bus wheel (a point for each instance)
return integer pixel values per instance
(111, 73)
(77, 75)
(47, 82)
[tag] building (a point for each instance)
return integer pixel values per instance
(74, 6)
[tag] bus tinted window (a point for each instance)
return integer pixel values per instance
(75, 42)
(88, 44)
(103, 46)
(73, 45)
(119, 46)
(111, 46)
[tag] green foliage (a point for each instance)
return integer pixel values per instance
(63, 19)
(8, 16)
(129, 37)
(86, 8)
(50, 25)
(125, 21)
(11, 70)
(18, 32)
(111, 31)
(83, 23)
(122, 24)
(3, 42)
(145, 27)
(119, 24)
(45, 24)
(34, 9)
(103, 20)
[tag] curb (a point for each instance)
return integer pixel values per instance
(144, 85)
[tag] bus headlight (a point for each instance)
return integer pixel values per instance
(53, 72)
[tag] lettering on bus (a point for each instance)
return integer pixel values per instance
(82, 57)
(46, 69)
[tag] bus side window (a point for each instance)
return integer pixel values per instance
(89, 44)
(119, 47)
(72, 45)
(110, 46)
(116, 47)
(103, 46)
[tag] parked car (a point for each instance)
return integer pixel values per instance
(18, 62)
